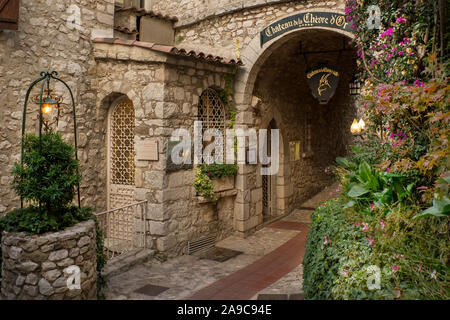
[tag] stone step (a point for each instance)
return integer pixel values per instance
(126, 261)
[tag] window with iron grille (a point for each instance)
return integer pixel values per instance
(355, 87)
(211, 111)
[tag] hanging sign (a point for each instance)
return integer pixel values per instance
(323, 80)
(332, 20)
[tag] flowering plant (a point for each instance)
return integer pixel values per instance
(394, 50)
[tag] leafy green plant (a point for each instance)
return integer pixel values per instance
(49, 172)
(411, 255)
(441, 201)
(368, 187)
(204, 185)
(202, 182)
(216, 170)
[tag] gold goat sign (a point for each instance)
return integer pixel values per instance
(323, 80)
(333, 20)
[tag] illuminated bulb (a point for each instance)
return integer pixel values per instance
(47, 108)
(355, 128)
(362, 124)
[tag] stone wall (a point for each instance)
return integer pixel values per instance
(192, 11)
(34, 267)
(46, 41)
(220, 32)
(165, 92)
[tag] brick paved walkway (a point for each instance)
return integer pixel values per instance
(245, 283)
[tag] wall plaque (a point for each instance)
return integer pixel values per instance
(332, 20)
(323, 80)
(147, 150)
(294, 150)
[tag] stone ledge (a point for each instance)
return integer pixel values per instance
(221, 194)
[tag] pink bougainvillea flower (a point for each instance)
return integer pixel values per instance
(400, 20)
(382, 224)
(345, 272)
(365, 227)
(395, 267)
(323, 204)
(372, 206)
(418, 84)
(388, 32)
(371, 241)
(388, 170)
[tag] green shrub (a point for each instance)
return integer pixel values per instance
(412, 255)
(331, 243)
(49, 173)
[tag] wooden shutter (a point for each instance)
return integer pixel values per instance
(9, 14)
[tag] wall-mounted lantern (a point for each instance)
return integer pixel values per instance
(357, 126)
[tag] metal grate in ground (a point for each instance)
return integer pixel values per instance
(151, 290)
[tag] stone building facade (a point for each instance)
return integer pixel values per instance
(95, 46)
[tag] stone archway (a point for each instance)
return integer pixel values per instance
(254, 55)
(248, 211)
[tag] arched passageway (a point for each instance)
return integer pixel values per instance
(312, 134)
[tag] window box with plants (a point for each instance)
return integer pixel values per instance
(215, 181)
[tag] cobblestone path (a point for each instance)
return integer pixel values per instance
(270, 264)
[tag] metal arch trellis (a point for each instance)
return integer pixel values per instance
(45, 77)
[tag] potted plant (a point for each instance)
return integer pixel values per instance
(50, 233)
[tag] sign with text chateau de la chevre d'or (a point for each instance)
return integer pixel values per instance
(332, 20)
(323, 80)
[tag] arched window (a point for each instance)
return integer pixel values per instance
(211, 111)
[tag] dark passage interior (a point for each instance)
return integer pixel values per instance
(313, 134)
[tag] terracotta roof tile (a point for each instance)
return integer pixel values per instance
(143, 12)
(172, 51)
